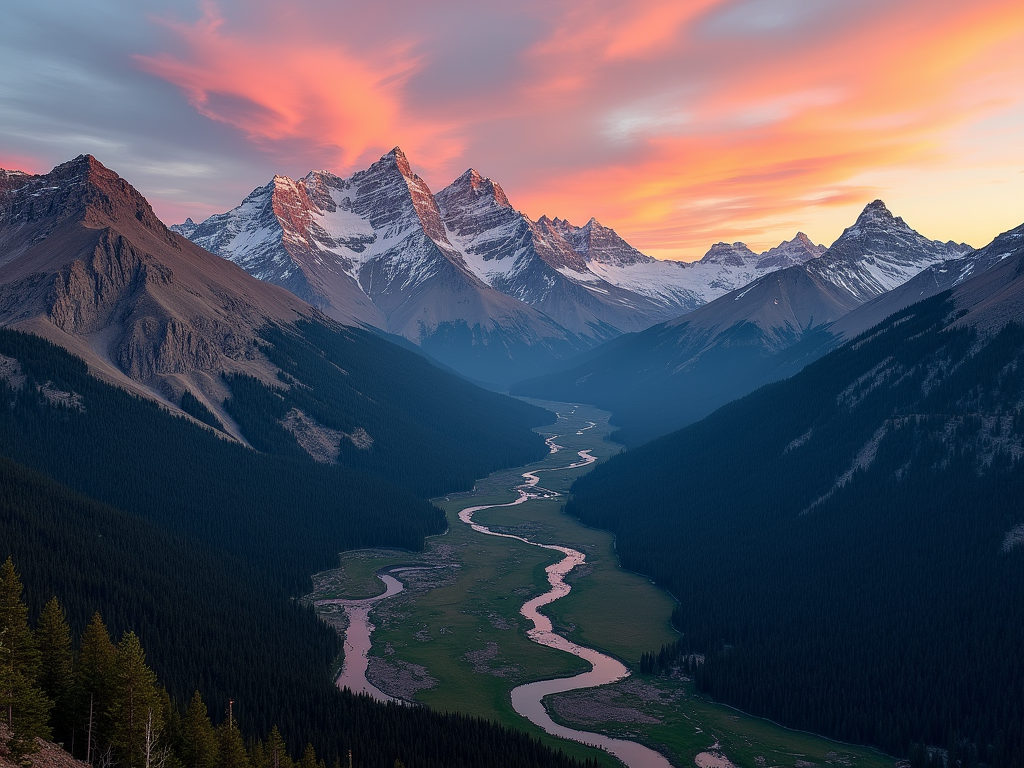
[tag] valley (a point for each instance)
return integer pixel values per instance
(454, 638)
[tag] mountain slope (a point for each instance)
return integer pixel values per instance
(534, 263)
(890, 470)
(84, 262)
(679, 371)
(372, 250)
(476, 283)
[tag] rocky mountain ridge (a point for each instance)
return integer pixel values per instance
(682, 370)
(463, 269)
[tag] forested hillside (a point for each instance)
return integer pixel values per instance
(423, 428)
(846, 546)
(280, 512)
(200, 545)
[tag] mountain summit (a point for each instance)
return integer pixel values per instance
(462, 273)
(680, 371)
(86, 263)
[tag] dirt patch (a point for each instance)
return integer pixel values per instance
(588, 709)
(399, 678)
(360, 438)
(628, 701)
(712, 760)
(579, 572)
(49, 755)
(481, 661)
(1013, 538)
(55, 396)
(322, 443)
(500, 622)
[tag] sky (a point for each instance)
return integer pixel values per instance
(678, 123)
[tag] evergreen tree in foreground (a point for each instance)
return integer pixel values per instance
(25, 708)
(56, 675)
(93, 692)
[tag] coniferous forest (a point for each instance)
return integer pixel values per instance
(178, 553)
(104, 703)
(841, 544)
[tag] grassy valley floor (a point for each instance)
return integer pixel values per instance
(454, 639)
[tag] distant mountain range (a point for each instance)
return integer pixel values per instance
(476, 283)
(683, 369)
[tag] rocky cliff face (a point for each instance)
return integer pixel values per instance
(880, 252)
(85, 262)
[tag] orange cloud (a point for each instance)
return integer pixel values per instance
(278, 90)
(770, 143)
(679, 122)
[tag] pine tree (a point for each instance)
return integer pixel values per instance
(25, 707)
(56, 675)
(94, 687)
(258, 755)
(232, 749)
(308, 759)
(199, 745)
(137, 714)
(277, 750)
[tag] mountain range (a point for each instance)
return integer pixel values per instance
(476, 283)
(214, 438)
(681, 370)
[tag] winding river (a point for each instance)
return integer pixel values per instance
(526, 699)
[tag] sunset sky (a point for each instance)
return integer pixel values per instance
(677, 123)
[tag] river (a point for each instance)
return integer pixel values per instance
(527, 699)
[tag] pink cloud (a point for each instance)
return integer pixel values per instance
(676, 122)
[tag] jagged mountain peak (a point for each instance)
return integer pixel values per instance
(186, 228)
(876, 216)
(471, 185)
(82, 187)
(879, 252)
(732, 254)
(789, 253)
(601, 244)
(397, 158)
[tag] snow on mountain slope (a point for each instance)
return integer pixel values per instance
(380, 249)
(723, 268)
(880, 252)
(681, 370)
(372, 249)
(534, 263)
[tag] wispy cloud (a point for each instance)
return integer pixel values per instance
(679, 122)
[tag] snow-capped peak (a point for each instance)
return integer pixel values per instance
(879, 252)
(185, 229)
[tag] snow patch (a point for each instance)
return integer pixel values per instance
(1014, 538)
